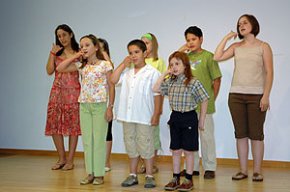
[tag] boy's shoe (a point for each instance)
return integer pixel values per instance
(130, 181)
(195, 173)
(173, 184)
(187, 185)
(149, 182)
(209, 175)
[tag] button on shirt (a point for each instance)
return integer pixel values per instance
(183, 98)
(136, 103)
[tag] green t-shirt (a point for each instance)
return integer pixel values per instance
(205, 69)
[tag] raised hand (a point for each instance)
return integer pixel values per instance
(55, 48)
(184, 48)
(231, 35)
(127, 61)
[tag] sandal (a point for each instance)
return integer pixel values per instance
(107, 169)
(98, 181)
(89, 179)
(239, 176)
(257, 177)
(57, 166)
(68, 166)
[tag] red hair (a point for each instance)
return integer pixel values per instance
(185, 61)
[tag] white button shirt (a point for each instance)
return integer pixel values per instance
(136, 103)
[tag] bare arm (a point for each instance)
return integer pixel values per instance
(216, 86)
(68, 64)
(203, 109)
(157, 85)
(50, 65)
(268, 64)
(220, 53)
(157, 110)
(111, 88)
(184, 48)
(117, 72)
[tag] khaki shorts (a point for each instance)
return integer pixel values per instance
(157, 142)
(247, 116)
(139, 140)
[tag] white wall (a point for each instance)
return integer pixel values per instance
(27, 32)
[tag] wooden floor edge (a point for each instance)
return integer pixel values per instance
(160, 158)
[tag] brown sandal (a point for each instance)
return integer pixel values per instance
(239, 176)
(57, 166)
(257, 177)
(68, 166)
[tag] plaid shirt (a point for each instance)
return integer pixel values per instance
(183, 98)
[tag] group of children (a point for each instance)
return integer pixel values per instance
(191, 82)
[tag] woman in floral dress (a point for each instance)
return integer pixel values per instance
(63, 107)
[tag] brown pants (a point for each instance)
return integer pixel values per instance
(247, 116)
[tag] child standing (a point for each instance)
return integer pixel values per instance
(184, 93)
(138, 110)
(63, 107)
(94, 112)
(152, 59)
(207, 71)
(109, 139)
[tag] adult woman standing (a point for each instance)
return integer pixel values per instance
(63, 107)
(250, 91)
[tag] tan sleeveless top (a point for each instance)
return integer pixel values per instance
(249, 72)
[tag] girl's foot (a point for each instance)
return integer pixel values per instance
(58, 165)
(68, 166)
(89, 179)
(98, 181)
(107, 169)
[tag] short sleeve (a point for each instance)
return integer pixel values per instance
(164, 87)
(155, 77)
(199, 93)
(214, 68)
(108, 66)
(78, 65)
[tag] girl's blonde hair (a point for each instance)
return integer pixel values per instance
(154, 41)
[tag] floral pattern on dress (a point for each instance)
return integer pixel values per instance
(63, 107)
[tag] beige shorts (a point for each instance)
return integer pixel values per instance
(139, 140)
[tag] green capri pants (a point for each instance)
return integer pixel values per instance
(94, 129)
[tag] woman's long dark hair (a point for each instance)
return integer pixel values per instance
(74, 43)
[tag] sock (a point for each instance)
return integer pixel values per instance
(188, 176)
(176, 175)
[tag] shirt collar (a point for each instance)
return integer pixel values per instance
(180, 78)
